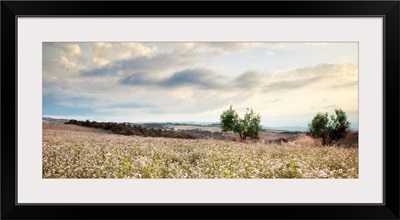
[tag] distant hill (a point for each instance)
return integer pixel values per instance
(179, 123)
(54, 120)
(161, 124)
(287, 128)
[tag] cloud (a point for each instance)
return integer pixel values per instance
(228, 46)
(135, 57)
(201, 78)
(215, 48)
(212, 47)
(183, 48)
(132, 50)
(138, 79)
(153, 64)
(241, 46)
(249, 79)
(158, 63)
(338, 74)
(327, 69)
(197, 77)
(66, 63)
(72, 49)
(208, 79)
(100, 61)
(101, 53)
(59, 62)
(290, 84)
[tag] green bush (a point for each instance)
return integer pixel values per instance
(126, 129)
(249, 126)
(329, 129)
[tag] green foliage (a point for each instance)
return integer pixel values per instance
(319, 127)
(229, 120)
(339, 126)
(248, 126)
(289, 170)
(331, 128)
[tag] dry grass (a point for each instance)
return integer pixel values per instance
(306, 141)
(76, 152)
(72, 128)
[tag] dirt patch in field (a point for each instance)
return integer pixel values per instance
(351, 139)
(67, 127)
(264, 135)
(193, 127)
(275, 135)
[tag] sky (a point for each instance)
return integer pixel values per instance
(287, 83)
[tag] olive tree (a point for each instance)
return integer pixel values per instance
(248, 126)
(331, 128)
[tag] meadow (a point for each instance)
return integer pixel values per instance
(71, 151)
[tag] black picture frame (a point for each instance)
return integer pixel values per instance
(11, 10)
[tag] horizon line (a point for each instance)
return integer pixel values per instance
(183, 122)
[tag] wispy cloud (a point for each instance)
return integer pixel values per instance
(139, 79)
(157, 63)
(346, 84)
(335, 74)
(287, 85)
(197, 78)
(201, 78)
(249, 79)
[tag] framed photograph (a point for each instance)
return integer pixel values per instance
(264, 109)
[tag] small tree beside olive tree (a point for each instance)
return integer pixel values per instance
(330, 129)
(248, 126)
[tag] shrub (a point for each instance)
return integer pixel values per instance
(330, 129)
(126, 129)
(249, 126)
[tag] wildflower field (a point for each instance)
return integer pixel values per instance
(71, 151)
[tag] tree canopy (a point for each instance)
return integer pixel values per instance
(248, 126)
(331, 128)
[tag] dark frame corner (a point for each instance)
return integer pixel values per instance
(11, 10)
